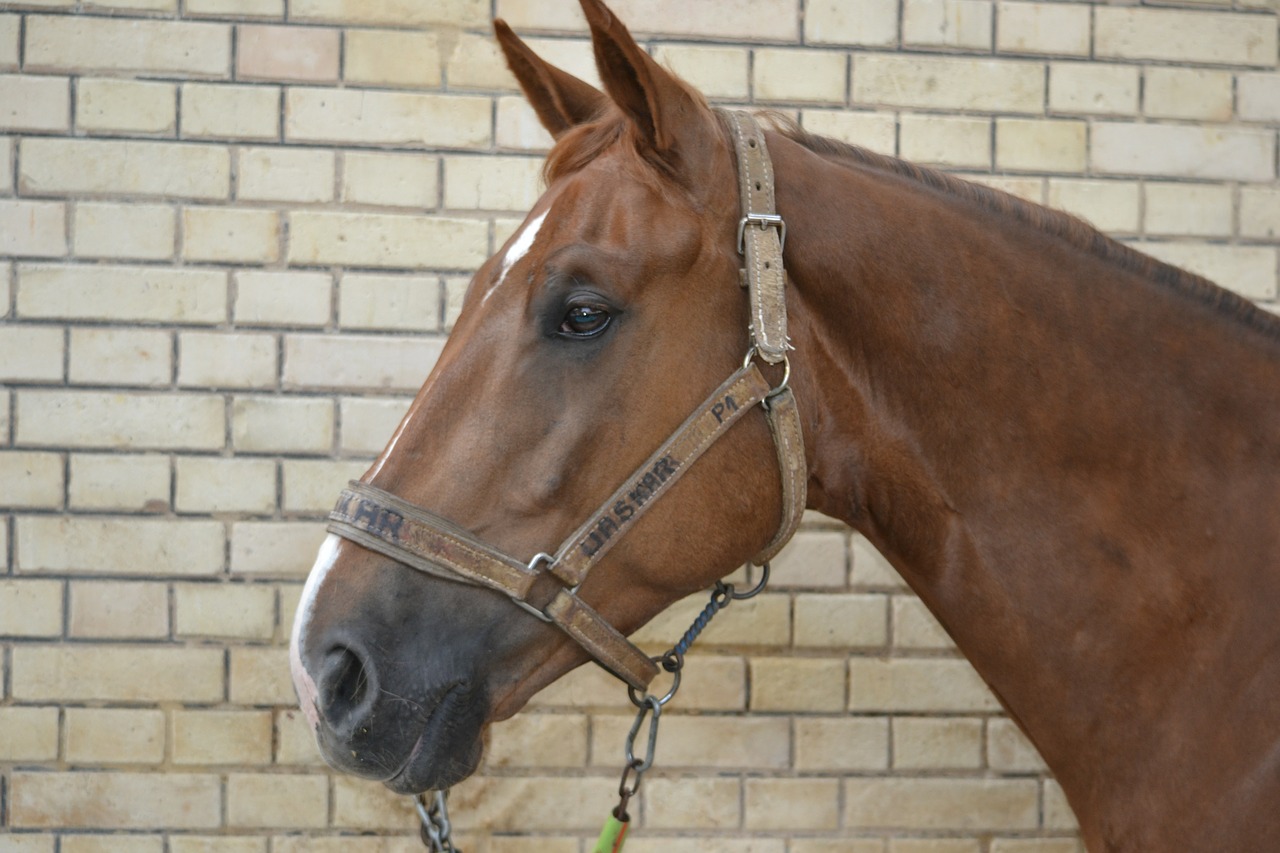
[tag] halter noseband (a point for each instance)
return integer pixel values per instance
(547, 584)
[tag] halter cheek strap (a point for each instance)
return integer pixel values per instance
(418, 538)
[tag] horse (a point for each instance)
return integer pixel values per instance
(1069, 450)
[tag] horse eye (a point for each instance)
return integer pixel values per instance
(584, 321)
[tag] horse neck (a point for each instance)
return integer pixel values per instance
(1070, 463)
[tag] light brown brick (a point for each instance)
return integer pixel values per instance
(260, 676)
(119, 481)
(877, 131)
(759, 743)
(914, 627)
(1009, 751)
(227, 359)
(908, 685)
(115, 736)
(10, 36)
(234, 235)
(170, 6)
(295, 741)
(1051, 28)
(1258, 97)
(857, 744)
(693, 803)
(1057, 811)
(791, 805)
(115, 800)
(312, 485)
(389, 302)
(285, 548)
(234, 9)
(34, 229)
(107, 356)
(783, 74)
(763, 620)
(1259, 212)
(872, 23)
(29, 734)
(937, 743)
(282, 424)
(105, 419)
(802, 685)
(130, 546)
(384, 240)
(390, 180)
(124, 231)
(282, 298)
(358, 362)
(957, 141)
(110, 843)
(292, 54)
(1248, 270)
(29, 608)
(274, 800)
(1191, 93)
(1093, 88)
(368, 422)
(391, 118)
(119, 610)
(221, 737)
(246, 611)
(124, 167)
(1040, 145)
(538, 740)
(105, 105)
(1183, 36)
(717, 72)
(145, 294)
(32, 353)
(941, 803)
(948, 83)
(773, 20)
(492, 183)
(397, 13)
(1182, 151)
(841, 621)
(812, 559)
(964, 24)
(33, 103)
(361, 805)
(216, 484)
(220, 111)
(82, 43)
(1036, 845)
(536, 803)
(7, 147)
(117, 673)
(1204, 210)
(285, 174)
(392, 58)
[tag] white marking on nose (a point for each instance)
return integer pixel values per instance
(308, 694)
(518, 250)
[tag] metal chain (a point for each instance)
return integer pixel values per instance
(435, 828)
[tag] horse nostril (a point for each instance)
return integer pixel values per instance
(344, 685)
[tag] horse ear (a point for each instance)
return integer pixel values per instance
(668, 115)
(561, 100)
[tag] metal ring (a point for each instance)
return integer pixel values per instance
(754, 351)
(755, 590)
(640, 700)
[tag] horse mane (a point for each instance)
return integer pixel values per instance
(1064, 226)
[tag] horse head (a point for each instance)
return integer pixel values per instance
(608, 317)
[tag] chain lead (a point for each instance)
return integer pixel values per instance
(435, 828)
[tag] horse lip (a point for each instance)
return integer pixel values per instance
(398, 780)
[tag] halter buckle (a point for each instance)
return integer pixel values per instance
(541, 559)
(761, 221)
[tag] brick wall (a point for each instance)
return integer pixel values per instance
(233, 234)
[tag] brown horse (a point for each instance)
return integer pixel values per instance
(1069, 450)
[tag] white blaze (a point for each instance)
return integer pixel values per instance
(518, 250)
(308, 695)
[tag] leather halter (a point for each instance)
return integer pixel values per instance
(547, 584)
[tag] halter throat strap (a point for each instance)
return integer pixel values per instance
(418, 538)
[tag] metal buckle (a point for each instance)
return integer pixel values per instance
(752, 352)
(538, 559)
(763, 220)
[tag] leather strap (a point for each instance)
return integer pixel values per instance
(788, 441)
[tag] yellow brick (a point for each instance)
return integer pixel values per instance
(907, 685)
(279, 548)
(118, 546)
(28, 734)
(358, 362)
(232, 9)
(938, 743)
(7, 147)
(236, 235)
(120, 357)
(10, 35)
(312, 485)
(934, 845)
(717, 72)
(32, 354)
(534, 803)
(276, 800)
(1009, 751)
(368, 422)
(845, 744)
(217, 484)
(170, 6)
(1258, 97)
(1057, 811)
(870, 23)
(118, 610)
(1202, 210)
(1093, 88)
(470, 13)
(812, 559)
(791, 805)
(143, 231)
(941, 804)
(81, 43)
(518, 126)
(392, 58)
(841, 621)
(773, 20)
(948, 83)
(222, 737)
(693, 803)
(1182, 151)
(492, 183)
(721, 743)
(112, 843)
(355, 844)
(282, 298)
(709, 845)
(281, 424)
(111, 673)
(476, 62)
(957, 141)
(847, 845)
(914, 627)
(115, 800)
(1188, 93)
(30, 608)
(1183, 36)
(34, 103)
(126, 106)
(115, 735)
(781, 74)
(1111, 206)
(126, 481)
(126, 167)
(227, 359)
(389, 302)
(146, 294)
(1040, 145)
(36, 229)
(260, 676)
(218, 111)
(1259, 212)
(538, 740)
(103, 419)
(285, 174)
(1036, 845)
(1052, 28)
(877, 131)
(803, 685)
(1248, 270)
(391, 180)
(246, 611)
(964, 24)
(391, 118)
(293, 54)
(295, 741)
(384, 240)
(362, 804)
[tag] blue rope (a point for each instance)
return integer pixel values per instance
(714, 606)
